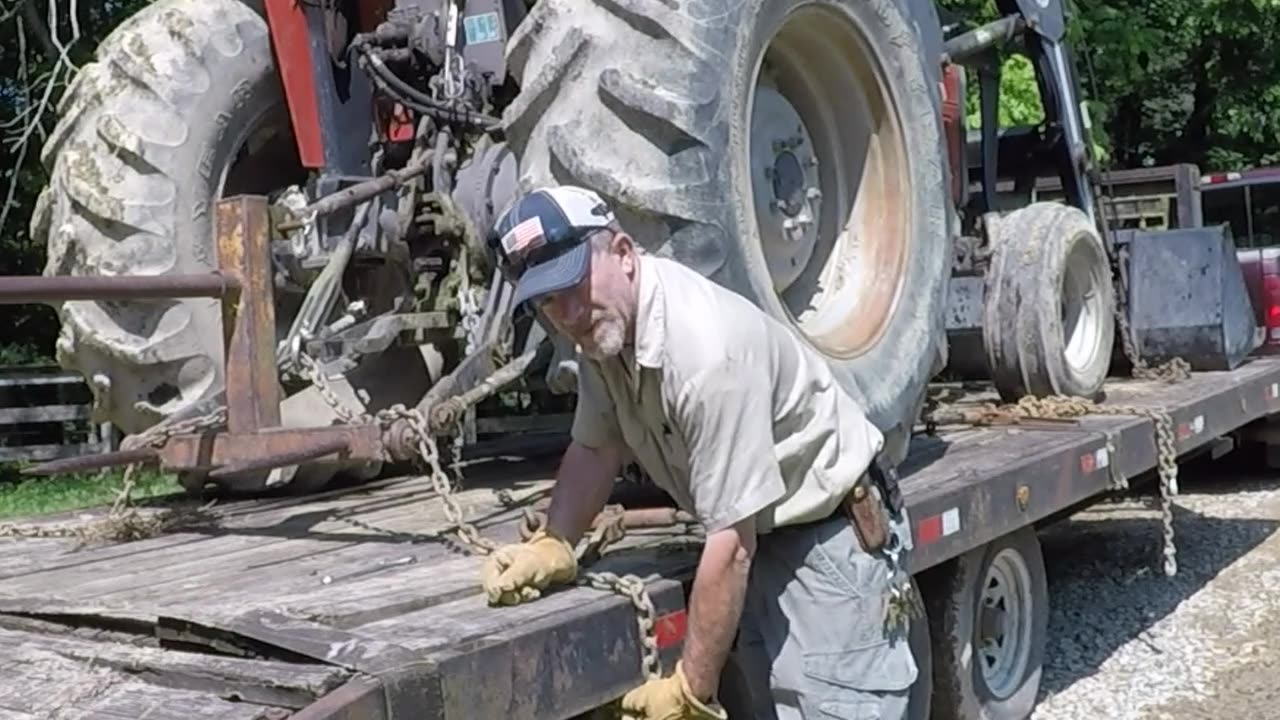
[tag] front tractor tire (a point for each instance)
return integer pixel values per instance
(181, 106)
(1048, 324)
(790, 151)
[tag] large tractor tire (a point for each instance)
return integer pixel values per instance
(181, 106)
(791, 151)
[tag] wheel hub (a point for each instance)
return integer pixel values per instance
(1003, 625)
(785, 186)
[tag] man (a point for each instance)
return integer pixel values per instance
(746, 428)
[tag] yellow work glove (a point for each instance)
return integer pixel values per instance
(668, 698)
(519, 572)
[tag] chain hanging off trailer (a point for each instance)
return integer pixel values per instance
(1059, 408)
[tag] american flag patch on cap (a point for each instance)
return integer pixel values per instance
(524, 237)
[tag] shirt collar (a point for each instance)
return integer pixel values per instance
(651, 320)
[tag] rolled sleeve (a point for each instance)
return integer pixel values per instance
(595, 418)
(726, 416)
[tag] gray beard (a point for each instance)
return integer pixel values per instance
(609, 341)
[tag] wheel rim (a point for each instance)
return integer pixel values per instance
(829, 181)
(1003, 640)
(1082, 306)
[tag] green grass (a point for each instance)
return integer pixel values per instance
(23, 496)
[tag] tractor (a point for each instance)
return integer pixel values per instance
(810, 155)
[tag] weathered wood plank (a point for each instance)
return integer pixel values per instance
(265, 682)
(62, 554)
(261, 681)
(16, 453)
(350, 650)
(44, 413)
(46, 684)
(92, 578)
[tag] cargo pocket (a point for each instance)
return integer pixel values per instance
(866, 683)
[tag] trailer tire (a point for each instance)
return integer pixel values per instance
(148, 139)
(843, 203)
(919, 703)
(1048, 324)
(973, 681)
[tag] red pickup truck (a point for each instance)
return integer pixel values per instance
(1249, 202)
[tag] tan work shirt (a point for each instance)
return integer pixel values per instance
(724, 407)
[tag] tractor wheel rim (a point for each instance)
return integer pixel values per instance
(1082, 306)
(1004, 624)
(829, 180)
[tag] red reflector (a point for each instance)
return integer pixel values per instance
(929, 530)
(670, 629)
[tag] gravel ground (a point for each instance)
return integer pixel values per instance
(1127, 643)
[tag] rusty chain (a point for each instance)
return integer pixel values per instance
(1058, 407)
(606, 533)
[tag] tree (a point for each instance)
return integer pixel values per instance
(43, 42)
(1166, 81)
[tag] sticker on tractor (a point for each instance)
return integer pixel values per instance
(483, 28)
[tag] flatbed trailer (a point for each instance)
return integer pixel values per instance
(350, 604)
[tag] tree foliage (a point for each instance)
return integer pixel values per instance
(1165, 81)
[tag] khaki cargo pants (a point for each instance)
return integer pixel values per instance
(812, 642)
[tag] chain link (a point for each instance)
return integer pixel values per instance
(634, 588)
(1064, 407)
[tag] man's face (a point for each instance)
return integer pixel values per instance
(597, 311)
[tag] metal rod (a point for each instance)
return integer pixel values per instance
(368, 189)
(318, 449)
(93, 462)
(23, 290)
(649, 518)
(964, 47)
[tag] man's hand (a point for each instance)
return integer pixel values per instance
(668, 698)
(520, 572)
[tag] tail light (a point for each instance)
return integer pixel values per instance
(1271, 301)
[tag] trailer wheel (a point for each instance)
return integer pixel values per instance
(791, 151)
(919, 703)
(1048, 325)
(990, 612)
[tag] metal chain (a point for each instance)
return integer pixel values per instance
(634, 588)
(1058, 407)
(1174, 370)
(426, 446)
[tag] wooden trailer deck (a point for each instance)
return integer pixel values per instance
(347, 604)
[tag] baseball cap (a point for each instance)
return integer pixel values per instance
(540, 239)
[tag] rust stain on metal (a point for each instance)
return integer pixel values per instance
(242, 237)
(205, 451)
(307, 449)
(1024, 497)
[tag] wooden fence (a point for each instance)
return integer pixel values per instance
(45, 414)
